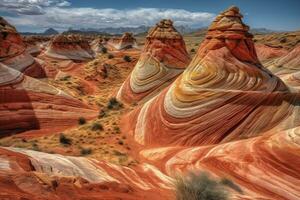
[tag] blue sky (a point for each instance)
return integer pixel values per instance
(37, 15)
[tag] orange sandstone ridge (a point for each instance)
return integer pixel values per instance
(163, 58)
(13, 52)
(70, 47)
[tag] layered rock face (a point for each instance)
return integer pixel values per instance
(32, 44)
(225, 94)
(97, 44)
(27, 103)
(287, 67)
(70, 47)
(126, 41)
(13, 52)
(266, 53)
(163, 58)
(65, 177)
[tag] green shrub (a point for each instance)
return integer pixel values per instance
(64, 140)
(199, 187)
(113, 103)
(193, 50)
(96, 127)
(104, 50)
(127, 58)
(86, 151)
(81, 120)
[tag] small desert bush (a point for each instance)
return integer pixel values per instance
(104, 50)
(102, 114)
(110, 56)
(113, 103)
(81, 120)
(64, 140)
(96, 127)
(127, 58)
(193, 50)
(86, 151)
(199, 187)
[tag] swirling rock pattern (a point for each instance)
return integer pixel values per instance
(266, 53)
(13, 52)
(225, 94)
(287, 67)
(70, 47)
(164, 57)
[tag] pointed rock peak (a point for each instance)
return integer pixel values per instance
(228, 30)
(6, 27)
(164, 30)
(227, 24)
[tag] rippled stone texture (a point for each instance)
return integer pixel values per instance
(266, 53)
(13, 52)
(163, 58)
(225, 94)
(70, 47)
(287, 67)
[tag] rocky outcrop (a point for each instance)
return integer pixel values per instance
(225, 94)
(163, 58)
(127, 41)
(13, 52)
(70, 47)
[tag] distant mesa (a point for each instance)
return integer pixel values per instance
(13, 53)
(163, 58)
(125, 42)
(70, 47)
(50, 31)
(224, 82)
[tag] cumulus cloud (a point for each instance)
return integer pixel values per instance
(30, 7)
(64, 17)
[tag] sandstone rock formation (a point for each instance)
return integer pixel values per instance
(225, 94)
(266, 53)
(70, 47)
(32, 44)
(27, 103)
(287, 67)
(164, 57)
(13, 52)
(126, 41)
(97, 44)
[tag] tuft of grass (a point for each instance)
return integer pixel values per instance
(104, 50)
(81, 120)
(64, 140)
(127, 58)
(199, 187)
(96, 127)
(85, 151)
(113, 103)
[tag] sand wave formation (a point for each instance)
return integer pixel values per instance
(163, 58)
(266, 53)
(70, 47)
(13, 52)
(287, 67)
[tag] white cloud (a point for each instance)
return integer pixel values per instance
(64, 17)
(30, 7)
